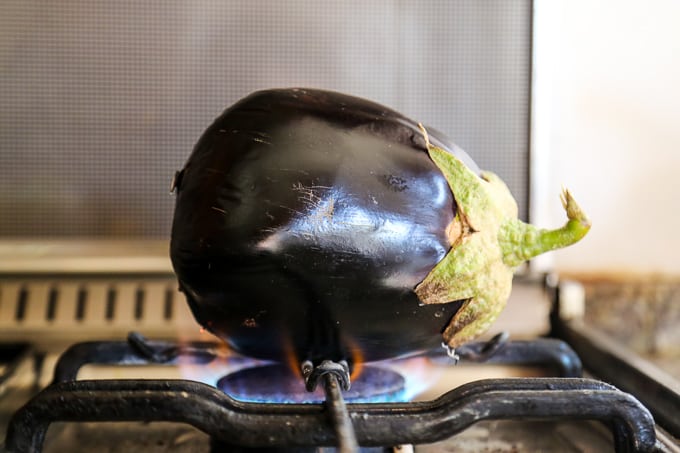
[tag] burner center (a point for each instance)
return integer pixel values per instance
(276, 383)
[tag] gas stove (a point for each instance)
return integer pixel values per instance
(174, 394)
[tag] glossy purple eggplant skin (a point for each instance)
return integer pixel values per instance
(304, 220)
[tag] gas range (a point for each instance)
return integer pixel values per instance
(173, 394)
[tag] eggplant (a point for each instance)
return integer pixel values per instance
(313, 225)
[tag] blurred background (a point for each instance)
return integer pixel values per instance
(605, 124)
(606, 109)
(103, 102)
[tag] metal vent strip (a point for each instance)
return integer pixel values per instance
(44, 309)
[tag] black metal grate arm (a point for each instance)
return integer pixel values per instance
(384, 424)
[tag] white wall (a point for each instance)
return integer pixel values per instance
(607, 125)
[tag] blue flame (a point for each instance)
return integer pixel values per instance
(258, 381)
(277, 384)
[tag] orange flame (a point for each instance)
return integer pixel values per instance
(292, 360)
(294, 363)
(357, 359)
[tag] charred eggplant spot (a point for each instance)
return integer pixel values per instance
(395, 183)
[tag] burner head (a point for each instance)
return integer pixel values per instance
(278, 384)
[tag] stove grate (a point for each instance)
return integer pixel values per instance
(335, 422)
(375, 424)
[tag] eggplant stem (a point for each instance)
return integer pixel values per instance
(521, 241)
(486, 247)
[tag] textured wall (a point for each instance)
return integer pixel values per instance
(103, 101)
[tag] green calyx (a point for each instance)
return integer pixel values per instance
(487, 242)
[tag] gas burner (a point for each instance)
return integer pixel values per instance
(279, 384)
(229, 421)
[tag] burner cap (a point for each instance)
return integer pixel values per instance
(276, 383)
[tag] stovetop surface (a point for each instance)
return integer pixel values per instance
(488, 435)
(23, 373)
(485, 436)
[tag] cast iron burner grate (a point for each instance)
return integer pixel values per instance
(267, 425)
